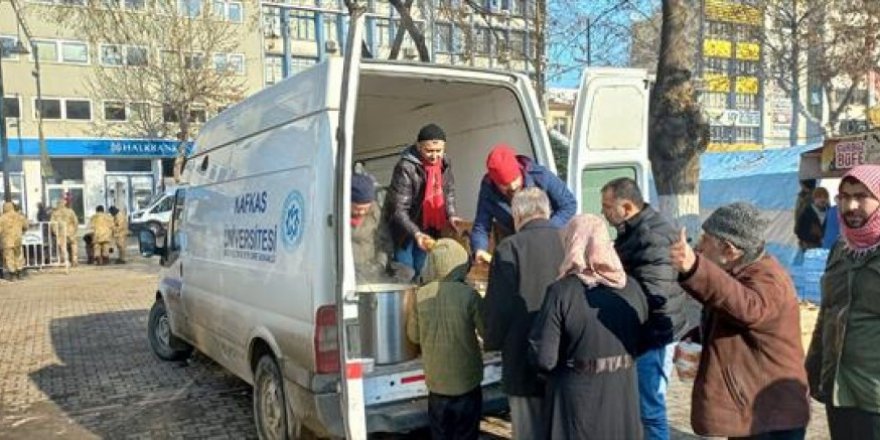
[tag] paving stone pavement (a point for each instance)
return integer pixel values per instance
(75, 363)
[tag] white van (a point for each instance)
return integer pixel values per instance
(155, 216)
(257, 266)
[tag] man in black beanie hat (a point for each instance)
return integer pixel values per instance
(751, 382)
(370, 236)
(422, 197)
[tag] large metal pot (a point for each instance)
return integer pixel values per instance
(382, 313)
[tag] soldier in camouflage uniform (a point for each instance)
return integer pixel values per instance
(65, 231)
(102, 226)
(11, 230)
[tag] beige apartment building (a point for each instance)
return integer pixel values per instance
(98, 154)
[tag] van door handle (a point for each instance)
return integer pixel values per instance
(181, 270)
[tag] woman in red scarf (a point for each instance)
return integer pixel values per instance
(422, 197)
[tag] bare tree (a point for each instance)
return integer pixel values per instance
(169, 62)
(678, 132)
(828, 43)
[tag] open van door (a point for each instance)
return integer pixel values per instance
(610, 137)
(351, 371)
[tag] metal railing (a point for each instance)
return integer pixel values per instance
(40, 245)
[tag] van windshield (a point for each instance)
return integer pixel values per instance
(154, 199)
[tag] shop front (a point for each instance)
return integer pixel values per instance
(125, 173)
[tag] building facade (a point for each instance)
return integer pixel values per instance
(95, 165)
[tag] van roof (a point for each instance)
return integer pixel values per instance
(309, 92)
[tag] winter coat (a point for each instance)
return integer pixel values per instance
(407, 191)
(843, 362)
(810, 229)
(102, 225)
(65, 217)
(523, 266)
(492, 205)
(586, 340)
(120, 225)
(643, 246)
(445, 324)
(11, 227)
(372, 246)
(751, 379)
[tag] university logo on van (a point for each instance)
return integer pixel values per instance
(293, 220)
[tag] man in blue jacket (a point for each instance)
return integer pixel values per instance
(507, 173)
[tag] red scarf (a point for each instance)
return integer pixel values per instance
(434, 203)
(866, 238)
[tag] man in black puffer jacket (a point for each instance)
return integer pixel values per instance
(643, 241)
(422, 197)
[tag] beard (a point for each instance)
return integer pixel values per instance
(854, 221)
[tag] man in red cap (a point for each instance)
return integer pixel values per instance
(843, 363)
(508, 173)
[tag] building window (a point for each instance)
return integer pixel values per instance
(198, 116)
(8, 44)
(139, 111)
(517, 45)
(330, 32)
(715, 65)
(746, 101)
(232, 62)
(230, 11)
(744, 67)
(383, 32)
(482, 41)
(12, 107)
(64, 108)
(747, 134)
(78, 109)
(169, 114)
(118, 55)
(717, 100)
(194, 61)
(302, 26)
(135, 5)
(114, 111)
(719, 29)
(747, 33)
(62, 51)
(190, 8)
(716, 133)
(444, 37)
(274, 64)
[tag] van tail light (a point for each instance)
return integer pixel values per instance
(326, 340)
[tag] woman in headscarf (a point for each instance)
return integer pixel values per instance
(585, 338)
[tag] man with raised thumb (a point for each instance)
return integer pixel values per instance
(751, 381)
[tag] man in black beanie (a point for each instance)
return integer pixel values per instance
(370, 236)
(422, 197)
(751, 382)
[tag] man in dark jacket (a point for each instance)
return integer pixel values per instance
(523, 266)
(751, 382)
(422, 197)
(643, 240)
(811, 224)
(506, 174)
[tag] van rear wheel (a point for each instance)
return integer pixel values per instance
(163, 342)
(270, 411)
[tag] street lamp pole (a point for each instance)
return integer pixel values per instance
(4, 145)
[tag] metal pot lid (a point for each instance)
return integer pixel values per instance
(383, 287)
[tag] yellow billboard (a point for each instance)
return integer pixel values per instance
(717, 48)
(721, 10)
(747, 85)
(717, 82)
(748, 51)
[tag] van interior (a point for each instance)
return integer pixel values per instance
(392, 109)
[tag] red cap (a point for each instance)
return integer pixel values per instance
(502, 165)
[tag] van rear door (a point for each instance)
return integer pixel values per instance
(351, 371)
(610, 137)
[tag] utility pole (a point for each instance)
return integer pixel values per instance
(4, 145)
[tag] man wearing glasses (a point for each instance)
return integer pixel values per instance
(843, 363)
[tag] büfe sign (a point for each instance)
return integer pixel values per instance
(841, 154)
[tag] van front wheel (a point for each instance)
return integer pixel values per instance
(166, 346)
(270, 412)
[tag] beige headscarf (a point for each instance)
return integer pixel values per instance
(589, 253)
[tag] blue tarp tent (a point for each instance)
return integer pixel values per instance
(769, 180)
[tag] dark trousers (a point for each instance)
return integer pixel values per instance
(852, 423)
(456, 417)
(788, 434)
